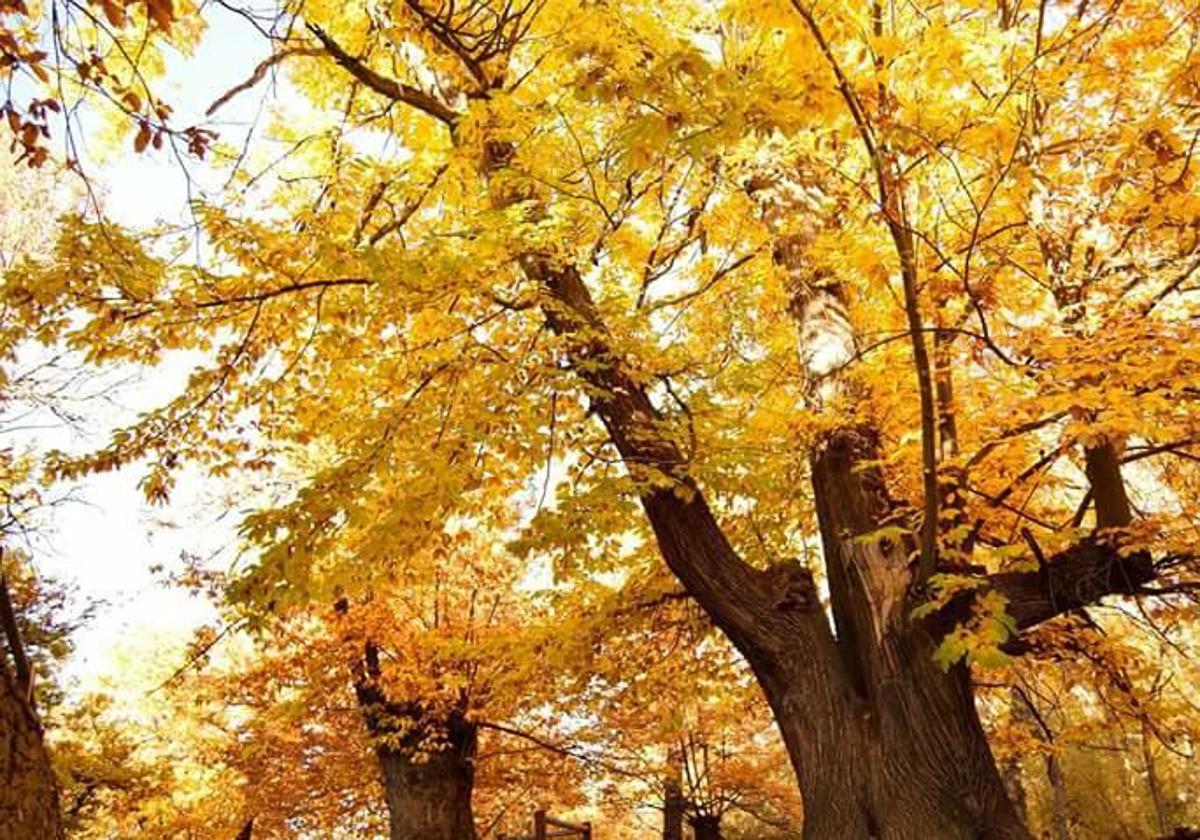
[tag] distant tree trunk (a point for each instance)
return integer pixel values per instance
(429, 797)
(1026, 713)
(28, 791)
(1162, 819)
(706, 827)
(1060, 818)
(673, 809)
(426, 761)
(1013, 774)
(1013, 770)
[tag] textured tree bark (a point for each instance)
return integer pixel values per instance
(426, 759)
(28, 791)
(934, 773)
(429, 797)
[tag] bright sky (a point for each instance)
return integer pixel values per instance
(106, 541)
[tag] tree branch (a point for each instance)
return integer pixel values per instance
(389, 88)
(260, 72)
(1073, 579)
(267, 294)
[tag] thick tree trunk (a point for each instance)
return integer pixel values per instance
(933, 774)
(28, 792)
(883, 742)
(707, 827)
(776, 620)
(429, 796)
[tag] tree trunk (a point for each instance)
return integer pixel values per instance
(883, 742)
(1162, 818)
(1060, 821)
(429, 796)
(933, 774)
(426, 759)
(673, 808)
(28, 791)
(1013, 771)
(707, 827)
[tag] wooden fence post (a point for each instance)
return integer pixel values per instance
(539, 824)
(587, 831)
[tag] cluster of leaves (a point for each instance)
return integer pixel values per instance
(102, 51)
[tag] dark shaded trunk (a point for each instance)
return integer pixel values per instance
(29, 807)
(707, 827)
(673, 809)
(776, 620)
(429, 796)
(28, 791)
(1103, 467)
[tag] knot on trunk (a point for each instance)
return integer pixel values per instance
(792, 587)
(497, 154)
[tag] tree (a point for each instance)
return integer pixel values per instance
(641, 221)
(29, 805)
